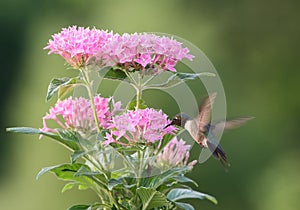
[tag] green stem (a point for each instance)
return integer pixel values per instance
(138, 86)
(101, 168)
(141, 156)
(86, 78)
(129, 164)
(130, 77)
(148, 80)
(138, 175)
(100, 191)
(89, 87)
(138, 98)
(138, 91)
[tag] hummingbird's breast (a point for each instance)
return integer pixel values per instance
(192, 127)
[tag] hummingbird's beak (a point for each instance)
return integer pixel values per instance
(172, 123)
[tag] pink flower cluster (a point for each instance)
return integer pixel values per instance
(140, 51)
(142, 125)
(78, 45)
(130, 51)
(175, 153)
(77, 114)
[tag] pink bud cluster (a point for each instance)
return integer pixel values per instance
(136, 51)
(142, 125)
(77, 114)
(175, 153)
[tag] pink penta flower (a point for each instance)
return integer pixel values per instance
(144, 51)
(77, 45)
(139, 126)
(175, 153)
(77, 114)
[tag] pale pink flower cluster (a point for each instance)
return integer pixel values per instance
(140, 51)
(77, 45)
(77, 114)
(175, 153)
(139, 126)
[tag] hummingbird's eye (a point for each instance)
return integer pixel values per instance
(177, 118)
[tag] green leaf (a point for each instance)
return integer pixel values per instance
(66, 172)
(58, 83)
(121, 173)
(191, 76)
(180, 193)
(62, 167)
(132, 105)
(78, 154)
(184, 179)
(89, 207)
(85, 171)
(112, 73)
(65, 90)
(25, 130)
(69, 135)
(68, 186)
(113, 183)
(177, 79)
(167, 176)
(82, 187)
(184, 206)
(63, 138)
(81, 207)
(151, 198)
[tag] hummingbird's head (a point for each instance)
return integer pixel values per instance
(176, 120)
(179, 120)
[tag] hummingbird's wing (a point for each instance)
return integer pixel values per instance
(205, 111)
(229, 124)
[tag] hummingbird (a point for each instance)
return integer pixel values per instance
(203, 131)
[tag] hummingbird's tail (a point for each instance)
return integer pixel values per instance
(218, 153)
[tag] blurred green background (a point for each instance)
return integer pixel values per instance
(254, 46)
